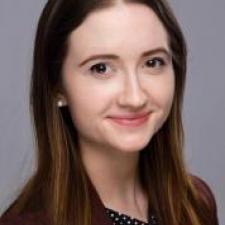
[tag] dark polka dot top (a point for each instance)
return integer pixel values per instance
(122, 219)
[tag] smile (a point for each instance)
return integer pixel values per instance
(132, 121)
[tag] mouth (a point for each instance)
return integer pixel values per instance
(130, 120)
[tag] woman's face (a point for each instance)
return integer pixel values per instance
(118, 78)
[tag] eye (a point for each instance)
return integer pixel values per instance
(156, 63)
(99, 68)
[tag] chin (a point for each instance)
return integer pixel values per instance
(132, 145)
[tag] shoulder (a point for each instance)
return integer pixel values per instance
(206, 195)
(32, 218)
(204, 191)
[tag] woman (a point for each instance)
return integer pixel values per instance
(106, 96)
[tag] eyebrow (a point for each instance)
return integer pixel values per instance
(115, 57)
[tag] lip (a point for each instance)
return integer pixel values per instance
(130, 120)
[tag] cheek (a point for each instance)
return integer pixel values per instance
(166, 95)
(88, 102)
(163, 91)
(162, 96)
(82, 110)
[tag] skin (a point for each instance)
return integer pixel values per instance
(127, 85)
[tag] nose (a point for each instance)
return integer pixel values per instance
(132, 95)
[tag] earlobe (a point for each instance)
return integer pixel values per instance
(61, 101)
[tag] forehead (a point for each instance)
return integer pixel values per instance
(123, 28)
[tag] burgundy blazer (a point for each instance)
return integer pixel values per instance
(99, 214)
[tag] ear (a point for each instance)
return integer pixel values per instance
(61, 100)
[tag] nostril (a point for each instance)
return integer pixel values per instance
(135, 99)
(132, 94)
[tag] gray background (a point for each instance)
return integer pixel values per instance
(204, 109)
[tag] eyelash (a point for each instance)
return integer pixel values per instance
(158, 60)
(93, 68)
(157, 63)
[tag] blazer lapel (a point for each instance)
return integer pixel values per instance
(99, 216)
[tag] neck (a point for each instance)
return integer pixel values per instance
(116, 179)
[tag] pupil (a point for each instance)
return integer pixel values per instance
(100, 68)
(151, 63)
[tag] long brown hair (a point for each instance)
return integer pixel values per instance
(59, 185)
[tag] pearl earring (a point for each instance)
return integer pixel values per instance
(60, 103)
